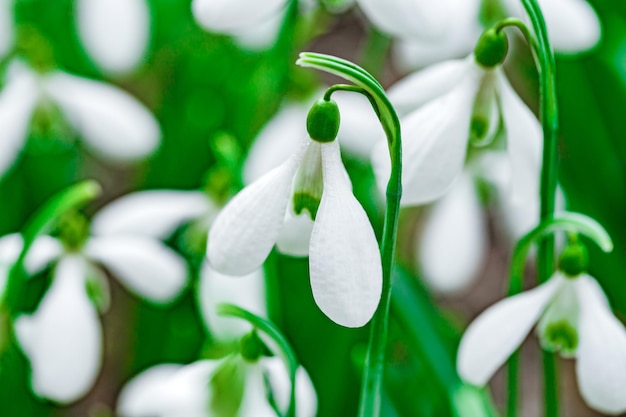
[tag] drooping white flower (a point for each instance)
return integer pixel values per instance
(430, 32)
(174, 390)
(63, 337)
(115, 33)
(574, 318)
(345, 266)
(441, 109)
(112, 123)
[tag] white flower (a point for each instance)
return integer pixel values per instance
(115, 33)
(174, 391)
(63, 337)
(345, 266)
(444, 105)
(433, 31)
(574, 318)
(254, 24)
(112, 123)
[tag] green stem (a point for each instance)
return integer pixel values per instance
(549, 172)
(521, 26)
(371, 387)
(272, 331)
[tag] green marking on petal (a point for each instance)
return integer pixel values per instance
(560, 336)
(227, 388)
(309, 185)
(308, 202)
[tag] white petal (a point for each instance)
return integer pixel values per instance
(247, 292)
(155, 213)
(228, 16)
(43, 251)
(261, 35)
(601, 356)
(414, 53)
(17, 103)
(434, 144)
(418, 88)
(140, 395)
(524, 142)
(113, 123)
(295, 236)
(6, 26)
(255, 401)
(145, 266)
(277, 141)
(63, 339)
(344, 263)
(115, 32)
(360, 128)
(278, 378)
(498, 331)
(573, 25)
(452, 246)
(416, 18)
(245, 231)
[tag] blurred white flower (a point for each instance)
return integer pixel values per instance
(115, 33)
(63, 337)
(430, 32)
(112, 123)
(345, 266)
(574, 318)
(444, 107)
(174, 390)
(254, 24)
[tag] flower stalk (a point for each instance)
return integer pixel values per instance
(548, 185)
(371, 387)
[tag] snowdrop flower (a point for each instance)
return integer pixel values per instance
(112, 123)
(254, 24)
(115, 33)
(446, 104)
(430, 32)
(198, 390)
(310, 186)
(574, 319)
(63, 337)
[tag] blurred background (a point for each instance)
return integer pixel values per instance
(212, 94)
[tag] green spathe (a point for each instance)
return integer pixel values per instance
(322, 122)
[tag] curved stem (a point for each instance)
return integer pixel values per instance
(517, 23)
(548, 185)
(371, 387)
(272, 331)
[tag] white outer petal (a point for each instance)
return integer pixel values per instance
(418, 88)
(254, 402)
(43, 251)
(277, 141)
(229, 16)
(416, 18)
(145, 266)
(63, 338)
(452, 247)
(17, 103)
(278, 378)
(360, 128)
(345, 265)
(493, 336)
(524, 141)
(115, 33)
(245, 231)
(247, 292)
(154, 213)
(601, 355)
(140, 396)
(112, 122)
(434, 144)
(261, 35)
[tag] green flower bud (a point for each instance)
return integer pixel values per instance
(574, 260)
(322, 123)
(491, 48)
